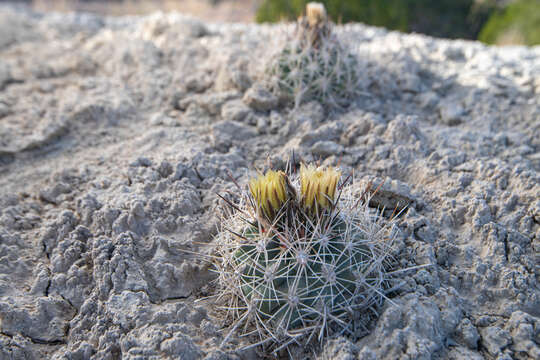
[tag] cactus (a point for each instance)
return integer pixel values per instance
(314, 64)
(300, 254)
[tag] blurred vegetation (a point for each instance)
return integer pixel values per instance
(519, 22)
(442, 18)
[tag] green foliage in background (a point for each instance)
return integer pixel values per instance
(518, 22)
(443, 18)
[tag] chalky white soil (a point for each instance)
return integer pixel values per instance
(116, 133)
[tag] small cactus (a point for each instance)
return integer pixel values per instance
(314, 64)
(300, 254)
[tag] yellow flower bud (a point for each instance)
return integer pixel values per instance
(315, 13)
(318, 187)
(269, 192)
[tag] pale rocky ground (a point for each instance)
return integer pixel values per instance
(115, 134)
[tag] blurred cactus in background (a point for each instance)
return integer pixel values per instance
(314, 64)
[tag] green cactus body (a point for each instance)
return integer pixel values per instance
(328, 74)
(291, 287)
